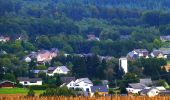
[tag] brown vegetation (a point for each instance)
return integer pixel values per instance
(19, 97)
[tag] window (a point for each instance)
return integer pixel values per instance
(87, 89)
(25, 82)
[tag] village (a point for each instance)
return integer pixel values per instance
(146, 86)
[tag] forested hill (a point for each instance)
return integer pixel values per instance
(137, 4)
(65, 24)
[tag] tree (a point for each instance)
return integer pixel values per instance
(31, 93)
(157, 43)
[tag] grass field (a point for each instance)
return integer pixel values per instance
(18, 91)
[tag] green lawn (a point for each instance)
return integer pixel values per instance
(13, 91)
(18, 91)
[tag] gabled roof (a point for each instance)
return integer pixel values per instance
(38, 71)
(99, 88)
(67, 79)
(29, 79)
(63, 68)
(146, 81)
(6, 81)
(145, 91)
(137, 85)
(85, 80)
(51, 68)
(140, 50)
(156, 52)
(165, 92)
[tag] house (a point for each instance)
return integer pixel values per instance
(164, 93)
(105, 83)
(57, 70)
(102, 90)
(4, 39)
(27, 59)
(136, 87)
(46, 56)
(68, 81)
(29, 81)
(81, 83)
(166, 52)
(92, 37)
(7, 84)
(151, 92)
(137, 53)
(146, 81)
(39, 71)
(123, 63)
(158, 54)
(165, 38)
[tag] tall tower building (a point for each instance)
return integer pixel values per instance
(123, 63)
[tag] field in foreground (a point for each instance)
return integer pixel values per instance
(17, 97)
(17, 91)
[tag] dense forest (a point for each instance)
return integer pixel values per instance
(120, 25)
(62, 24)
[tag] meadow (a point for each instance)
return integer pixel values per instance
(23, 91)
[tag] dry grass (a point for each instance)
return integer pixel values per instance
(21, 97)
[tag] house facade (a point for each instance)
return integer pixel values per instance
(81, 83)
(158, 54)
(123, 63)
(7, 84)
(4, 39)
(101, 90)
(138, 53)
(57, 70)
(29, 81)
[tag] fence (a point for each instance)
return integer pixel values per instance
(15, 97)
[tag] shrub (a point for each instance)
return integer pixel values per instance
(31, 93)
(38, 87)
(62, 91)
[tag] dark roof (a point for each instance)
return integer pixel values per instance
(28, 79)
(99, 88)
(146, 81)
(6, 81)
(145, 91)
(38, 71)
(67, 79)
(165, 92)
(137, 85)
(51, 68)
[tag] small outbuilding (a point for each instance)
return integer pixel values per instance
(7, 84)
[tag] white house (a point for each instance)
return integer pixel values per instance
(4, 39)
(68, 81)
(29, 81)
(150, 92)
(57, 70)
(27, 59)
(83, 83)
(136, 88)
(123, 64)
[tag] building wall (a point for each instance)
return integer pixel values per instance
(29, 83)
(7, 85)
(84, 86)
(123, 64)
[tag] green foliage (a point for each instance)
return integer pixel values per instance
(31, 93)
(38, 87)
(62, 91)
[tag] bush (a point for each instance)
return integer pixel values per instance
(31, 93)
(63, 91)
(38, 87)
